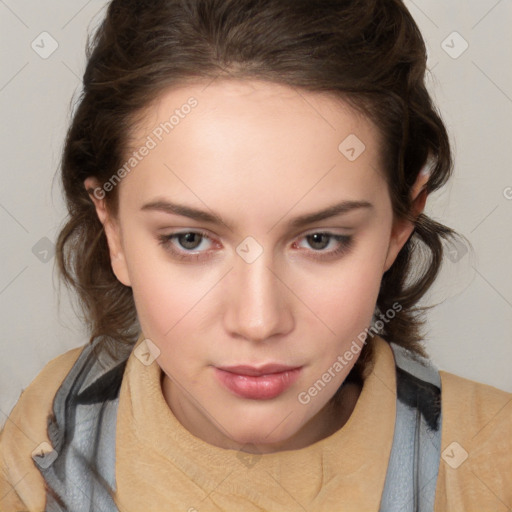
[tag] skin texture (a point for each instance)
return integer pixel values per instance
(256, 154)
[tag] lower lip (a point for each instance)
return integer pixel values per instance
(263, 387)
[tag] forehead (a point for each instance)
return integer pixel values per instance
(241, 139)
(258, 103)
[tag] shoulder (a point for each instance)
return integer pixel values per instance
(471, 406)
(37, 398)
(26, 428)
(476, 452)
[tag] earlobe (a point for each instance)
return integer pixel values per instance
(400, 233)
(403, 229)
(115, 246)
(112, 231)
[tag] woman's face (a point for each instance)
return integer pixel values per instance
(254, 230)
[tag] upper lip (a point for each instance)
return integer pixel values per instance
(256, 371)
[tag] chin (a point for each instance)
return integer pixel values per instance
(263, 435)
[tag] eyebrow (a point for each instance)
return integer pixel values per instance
(297, 222)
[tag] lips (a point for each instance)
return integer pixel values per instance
(262, 370)
(262, 383)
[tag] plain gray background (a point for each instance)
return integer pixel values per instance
(468, 334)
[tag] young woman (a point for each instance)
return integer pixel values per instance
(246, 183)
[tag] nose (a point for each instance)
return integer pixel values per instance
(258, 303)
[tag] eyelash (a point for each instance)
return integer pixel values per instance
(345, 244)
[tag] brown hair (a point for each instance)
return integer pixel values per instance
(368, 53)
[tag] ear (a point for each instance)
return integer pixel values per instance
(403, 228)
(112, 230)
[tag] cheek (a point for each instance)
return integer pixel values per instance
(162, 291)
(344, 302)
(164, 300)
(167, 307)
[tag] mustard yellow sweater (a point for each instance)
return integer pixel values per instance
(161, 466)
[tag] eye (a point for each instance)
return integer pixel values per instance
(340, 244)
(181, 245)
